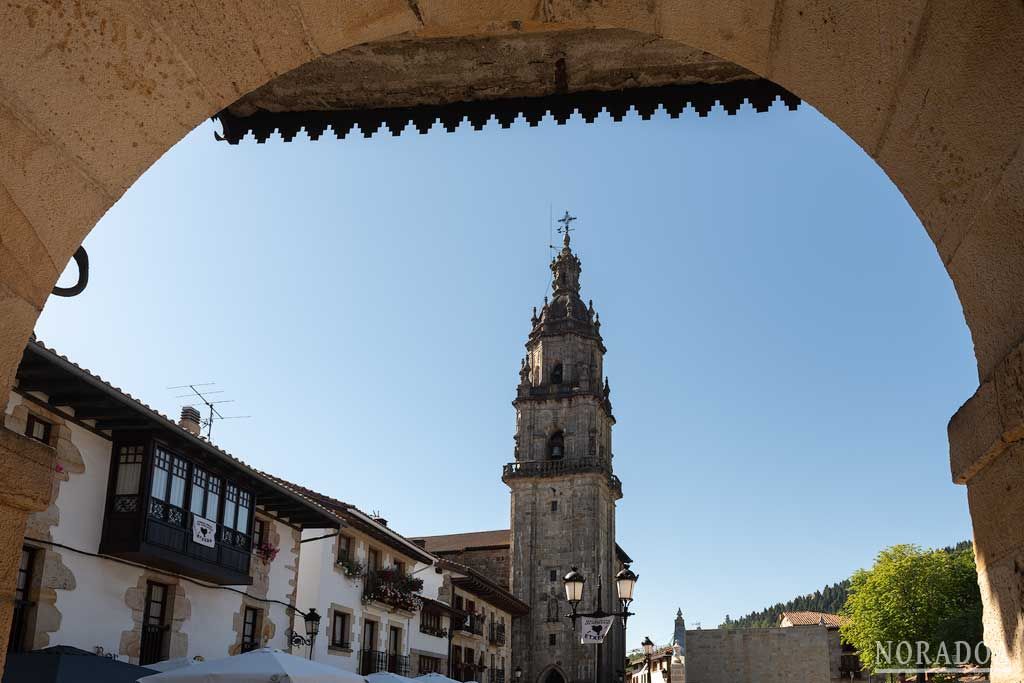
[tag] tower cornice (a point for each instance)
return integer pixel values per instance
(534, 470)
(547, 393)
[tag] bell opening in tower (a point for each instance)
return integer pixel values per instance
(556, 446)
(556, 374)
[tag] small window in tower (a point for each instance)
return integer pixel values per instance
(554, 506)
(553, 575)
(556, 446)
(556, 374)
(552, 639)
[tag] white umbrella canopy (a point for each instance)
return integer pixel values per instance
(258, 666)
(387, 677)
(172, 664)
(435, 678)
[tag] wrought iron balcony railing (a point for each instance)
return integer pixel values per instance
(474, 624)
(465, 672)
(496, 634)
(373, 661)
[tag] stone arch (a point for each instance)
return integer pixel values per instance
(552, 674)
(932, 91)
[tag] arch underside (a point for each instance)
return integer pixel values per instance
(477, 79)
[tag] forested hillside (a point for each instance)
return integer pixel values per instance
(828, 599)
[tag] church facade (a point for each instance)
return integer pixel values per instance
(563, 492)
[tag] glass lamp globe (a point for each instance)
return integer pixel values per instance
(573, 582)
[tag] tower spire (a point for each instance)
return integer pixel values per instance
(566, 313)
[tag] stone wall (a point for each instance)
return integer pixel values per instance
(546, 542)
(491, 562)
(758, 655)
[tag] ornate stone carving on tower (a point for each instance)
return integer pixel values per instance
(563, 489)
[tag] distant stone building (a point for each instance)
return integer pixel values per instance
(843, 658)
(563, 488)
(830, 621)
(806, 647)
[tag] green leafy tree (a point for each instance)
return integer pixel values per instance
(913, 595)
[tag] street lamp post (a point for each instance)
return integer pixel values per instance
(625, 582)
(312, 620)
(648, 646)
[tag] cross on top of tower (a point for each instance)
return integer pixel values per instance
(566, 228)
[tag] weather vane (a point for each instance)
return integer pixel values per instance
(566, 228)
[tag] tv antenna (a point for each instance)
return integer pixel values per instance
(551, 233)
(214, 413)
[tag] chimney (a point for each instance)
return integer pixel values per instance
(380, 520)
(190, 420)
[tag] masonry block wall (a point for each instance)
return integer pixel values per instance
(758, 655)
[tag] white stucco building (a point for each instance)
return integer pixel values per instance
(482, 641)
(119, 562)
(158, 545)
(378, 591)
(393, 606)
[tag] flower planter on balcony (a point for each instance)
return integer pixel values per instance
(394, 589)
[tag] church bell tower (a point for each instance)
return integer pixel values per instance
(563, 488)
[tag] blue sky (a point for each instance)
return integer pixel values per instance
(785, 348)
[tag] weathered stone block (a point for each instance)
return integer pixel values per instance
(132, 93)
(975, 433)
(1002, 592)
(28, 270)
(996, 499)
(29, 463)
(984, 259)
(50, 190)
(18, 316)
(847, 58)
(956, 122)
(333, 26)
(732, 29)
(229, 65)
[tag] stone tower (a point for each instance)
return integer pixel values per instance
(563, 488)
(679, 633)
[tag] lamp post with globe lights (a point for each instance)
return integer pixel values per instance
(648, 646)
(574, 583)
